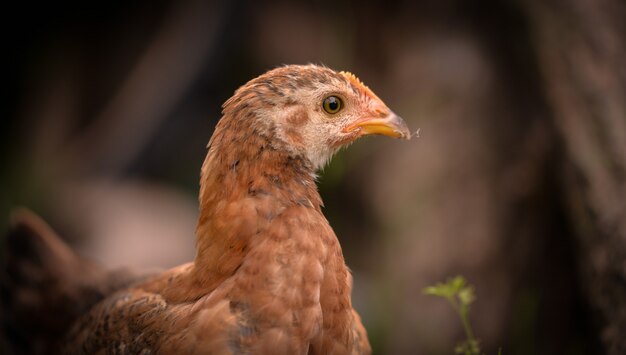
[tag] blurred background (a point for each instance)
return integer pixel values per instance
(517, 179)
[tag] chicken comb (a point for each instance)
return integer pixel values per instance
(358, 83)
(353, 79)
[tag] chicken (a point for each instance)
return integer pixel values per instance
(269, 275)
(44, 286)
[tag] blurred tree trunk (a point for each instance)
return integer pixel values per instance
(581, 47)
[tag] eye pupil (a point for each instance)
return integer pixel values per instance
(332, 104)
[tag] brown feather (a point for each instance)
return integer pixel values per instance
(45, 287)
(269, 275)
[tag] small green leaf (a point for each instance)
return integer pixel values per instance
(467, 295)
(448, 289)
(457, 283)
(441, 290)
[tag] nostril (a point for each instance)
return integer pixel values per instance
(379, 112)
(378, 109)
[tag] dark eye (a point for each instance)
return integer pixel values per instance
(332, 104)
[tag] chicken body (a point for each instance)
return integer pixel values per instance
(269, 276)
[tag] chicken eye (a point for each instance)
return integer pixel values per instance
(332, 104)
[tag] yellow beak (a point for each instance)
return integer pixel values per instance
(391, 125)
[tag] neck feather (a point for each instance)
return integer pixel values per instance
(247, 178)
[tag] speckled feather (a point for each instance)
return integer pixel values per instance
(269, 275)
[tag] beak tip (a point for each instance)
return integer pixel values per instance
(401, 127)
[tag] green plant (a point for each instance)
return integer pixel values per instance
(460, 294)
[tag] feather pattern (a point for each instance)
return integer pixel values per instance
(269, 275)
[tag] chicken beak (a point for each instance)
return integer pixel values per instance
(391, 125)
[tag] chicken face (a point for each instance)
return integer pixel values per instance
(314, 110)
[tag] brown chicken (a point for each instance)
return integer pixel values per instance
(269, 276)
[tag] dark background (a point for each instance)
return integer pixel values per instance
(517, 179)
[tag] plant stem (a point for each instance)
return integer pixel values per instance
(468, 328)
(471, 341)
